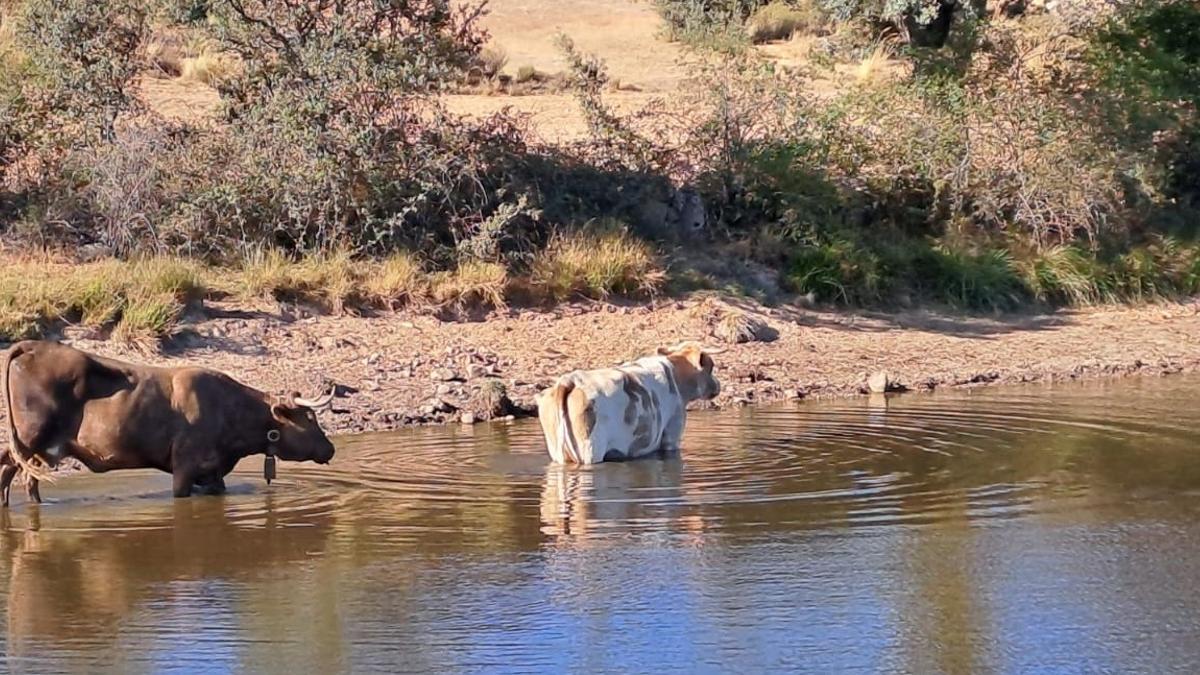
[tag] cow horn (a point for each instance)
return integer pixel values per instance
(318, 403)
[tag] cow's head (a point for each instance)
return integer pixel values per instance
(693, 367)
(300, 436)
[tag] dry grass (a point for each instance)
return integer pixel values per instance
(473, 284)
(174, 52)
(330, 280)
(207, 68)
(781, 20)
(140, 300)
(143, 300)
(396, 281)
(491, 60)
(873, 66)
(596, 266)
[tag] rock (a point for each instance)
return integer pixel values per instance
(737, 327)
(404, 373)
(442, 375)
(468, 418)
(491, 400)
(476, 371)
(92, 252)
(443, 389)
(879, 382)
(793, 394)
(443, 406)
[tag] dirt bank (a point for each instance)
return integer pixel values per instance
(401, 369)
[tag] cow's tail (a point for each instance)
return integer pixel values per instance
(18, 450)
(562, 391)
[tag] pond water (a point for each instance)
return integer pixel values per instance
(1005, 530)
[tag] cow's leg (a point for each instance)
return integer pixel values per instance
(183, 481)
(31, 489)
(672, 436)
(7, 473)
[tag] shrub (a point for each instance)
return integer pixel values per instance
(122, 195)
(87, 57)
(710, 24)
(596, 266)
(526, 74)
(338, 139)
(491, 60)
(1148, 67)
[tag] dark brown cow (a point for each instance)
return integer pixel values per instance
(191, 422)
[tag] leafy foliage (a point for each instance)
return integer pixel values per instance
(85, 54)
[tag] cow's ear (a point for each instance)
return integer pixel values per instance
(663, 351)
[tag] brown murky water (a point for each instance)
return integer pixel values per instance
(1037, 529)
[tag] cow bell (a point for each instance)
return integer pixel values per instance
(269, 460)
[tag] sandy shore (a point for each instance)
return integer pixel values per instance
(405, 369)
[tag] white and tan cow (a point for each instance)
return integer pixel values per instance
(626, 412)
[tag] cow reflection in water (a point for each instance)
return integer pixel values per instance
(584, 504)
(73, 582)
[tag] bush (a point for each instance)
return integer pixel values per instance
(492, 60)
(526, 74)
(86, 56)
(711, 24)
(338, 140)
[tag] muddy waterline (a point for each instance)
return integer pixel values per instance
(1005, 530)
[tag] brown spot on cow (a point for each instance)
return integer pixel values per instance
(639, 399)
(583, 414)
(643, 435)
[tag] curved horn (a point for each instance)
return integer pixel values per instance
(317, 403)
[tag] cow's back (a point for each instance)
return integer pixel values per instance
(108, 413)
(632, 406)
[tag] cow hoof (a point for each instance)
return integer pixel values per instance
(614, 456)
